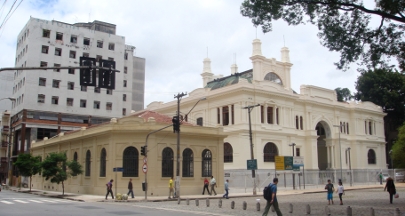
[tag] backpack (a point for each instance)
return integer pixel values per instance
(267, 193)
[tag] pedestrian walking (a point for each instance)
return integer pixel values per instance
(130, 191)
(273, 201)
(381, 178)
(213, 184)
(109, 189)
(340, 191)
(390, 187)
(226, 189)
(171, 191)
(329, 187)
(206, 183)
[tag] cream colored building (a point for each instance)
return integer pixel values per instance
(118, 144)
(310, 119)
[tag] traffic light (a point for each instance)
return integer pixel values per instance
(143, 150)
(176, 124)
(87, 75)
(106, 78)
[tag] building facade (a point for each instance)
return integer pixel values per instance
(49, 102)
(311, 123)
(103, 147)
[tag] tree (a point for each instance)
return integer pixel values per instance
(57, 168)
(398, 149)
(343, 94)
(28, 165)
(344, 26)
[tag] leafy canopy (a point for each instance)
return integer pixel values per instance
(343, 94)
(398, 149)
(345, 26)
(28, 165)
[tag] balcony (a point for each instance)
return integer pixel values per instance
(6, 128)
(4, 143)
(3, 160)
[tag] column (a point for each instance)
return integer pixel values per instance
(230, 114)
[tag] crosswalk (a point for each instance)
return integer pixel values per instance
(12, 201)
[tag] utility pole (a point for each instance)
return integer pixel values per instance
(250, 108)
(177, 182)
(293, 175)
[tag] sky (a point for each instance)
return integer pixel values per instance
(175, 36)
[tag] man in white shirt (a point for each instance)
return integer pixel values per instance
(213, 184)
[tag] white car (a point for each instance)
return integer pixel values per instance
(385, 176)
(399, 177)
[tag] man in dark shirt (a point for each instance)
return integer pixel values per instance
(273, 201)
(130, 191)
(109, 189)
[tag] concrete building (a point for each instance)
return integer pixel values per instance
(118, 143)
(320, 127)
(4, 137)
(52, 101)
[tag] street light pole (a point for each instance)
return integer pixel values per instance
(292, 145)
(340, 152)
(177, 182)
(350, 167)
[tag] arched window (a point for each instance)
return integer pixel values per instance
(188, 163)
(301, 123)
(269, 152)
(130, 162)
(167, 162)
(75, 156)
(200, 121)
(371, 157)
(88, 163)
(273, 78)
(103, 162)
(296, 122)
(228, 153)
(206, 163)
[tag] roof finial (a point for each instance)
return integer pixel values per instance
(284, 40)
(256, 32)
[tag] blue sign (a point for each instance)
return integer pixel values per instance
(118, 169)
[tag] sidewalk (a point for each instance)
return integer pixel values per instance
(101, 198)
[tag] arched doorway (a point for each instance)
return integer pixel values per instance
(323, 132)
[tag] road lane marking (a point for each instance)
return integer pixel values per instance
(36, 201)
(6, 202)
(20, 201)
(183, 211)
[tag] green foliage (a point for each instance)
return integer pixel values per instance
(57, 169)
(398, 149)
(28, 165)
(344, 26)
(343, 94)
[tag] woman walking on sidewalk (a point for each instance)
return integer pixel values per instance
(340, 191)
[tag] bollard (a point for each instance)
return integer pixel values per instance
(272, 208)
(372, 212)
(327, 210)
(197, 203)
(291, 208)
(207, 202)
(244, 205)
(178, 201)
(397, 212)
(188, 201)
(220, 203)
(232, 204)
(258, 206)
(308, 209)
(349, 211)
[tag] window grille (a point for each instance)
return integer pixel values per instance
(167, 162)
(206, 163)
(103, 162)
(88, 163)
(188, 163)
(130, 162)
(269, 152)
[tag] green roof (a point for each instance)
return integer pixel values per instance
(230, 80)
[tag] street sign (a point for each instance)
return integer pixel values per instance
(145, 168)
(298, 161)
(118, 169)
(251, 164)
(288, 163)
(279, 162)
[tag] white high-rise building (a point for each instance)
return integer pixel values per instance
(52, 101)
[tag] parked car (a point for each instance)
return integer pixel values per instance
(399, 177)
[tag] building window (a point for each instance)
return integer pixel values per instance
(262, 114)
(225, 115)
(73, 39)
(296, 122)
(111, 46)
(75, 156)
(124, 111)
(98, 58)
(277, 116)
(56, 69)
(109, 91)
(100, 44)
(41, 98)
(206, 163)
(71, 71)
(72, 54)
(110, 59)
(188, 163)
(69, 102)
(58, 51)
(88, 163)
(130, 162)
(124, 97)
(44, 64)
(83, 88)
(42, 81)
(167, 162)
(83, 103)
(86, 55)
(103, 162)
(347, 128)
(96, 105)
(55, 83)
(233, 114)
(46, 33)
(228, 153)
(126, 56)
(55, 100)
(125, 70)
(86, 41)
(200, 121)
(370, 128)
(71, 85)
(108, 106)
(125, 83)
(218, 116)
(365, 127)
(270, 115)
(297, 152)
(269, 152)
(371, 157)
(301, 123)
(45, 49)
(96, 90)
(59, 36)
